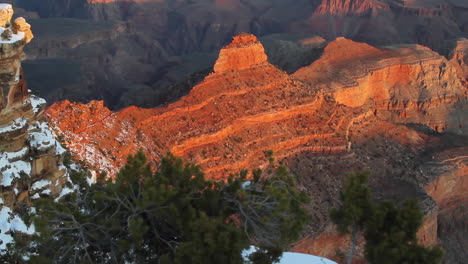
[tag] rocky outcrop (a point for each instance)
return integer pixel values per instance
(167, 42)
(6, 13)
(403, 83)
(20, 25)
(30, 157)
(459, 56)
(350, 7)
(248, 106)
(231, 110)
(245, 51)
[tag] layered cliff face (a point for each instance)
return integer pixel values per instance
(401, 83)
(30, 161)
(244, 52)
(232, 109)
(350, 7)
(459, 56)
(247, 106)
(389, 21)
(160, 48)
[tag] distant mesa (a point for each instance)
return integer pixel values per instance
(243, 52)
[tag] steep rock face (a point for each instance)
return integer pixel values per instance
(242, 53)
(350, 7)
(30, 161)
(403, 83)
(384, 22)
(163, 39)
(449, 171)
(460, 56)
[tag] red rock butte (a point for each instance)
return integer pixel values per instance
(243, 52)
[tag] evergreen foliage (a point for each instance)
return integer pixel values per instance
(171, 216)
(391, 236)
(389, 231)
(351, 216)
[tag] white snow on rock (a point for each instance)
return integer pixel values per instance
(298, 258)
(44, 139)
(46, 191)
(10, 222)
(17, 124)
(293, 258)
(40, 184)
(36, 103)
(14, 156)
(11, 170)
(14, 37)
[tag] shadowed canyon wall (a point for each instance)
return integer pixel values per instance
(150, 53)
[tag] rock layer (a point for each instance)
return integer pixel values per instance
(248, 106)
(30, 157)
(403, 83)
(242, 53)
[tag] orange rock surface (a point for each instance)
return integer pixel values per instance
(242, 53)
(233, 110)
(248, 106)
(404, 83)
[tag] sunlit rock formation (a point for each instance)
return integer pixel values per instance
(30, 157)
(401, 83)
(248, 106)
(242, 53)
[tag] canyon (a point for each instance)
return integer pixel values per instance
(398, 111)
(117, 51)
(330, 86)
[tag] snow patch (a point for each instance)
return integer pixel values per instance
(14, 37)
(12, 170)
(43, 139)
(293, 258)
(36, 103)
(10, 222)
(15, 125)
(40, 184)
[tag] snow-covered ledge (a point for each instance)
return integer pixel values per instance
(293, 258)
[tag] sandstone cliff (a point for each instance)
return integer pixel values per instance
(155, 48)
(403, 83)
(247, 106)
(30, 157)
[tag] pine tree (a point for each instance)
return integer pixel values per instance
(389, 231)
(351, 216)
(391, 236)
(171, 216)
